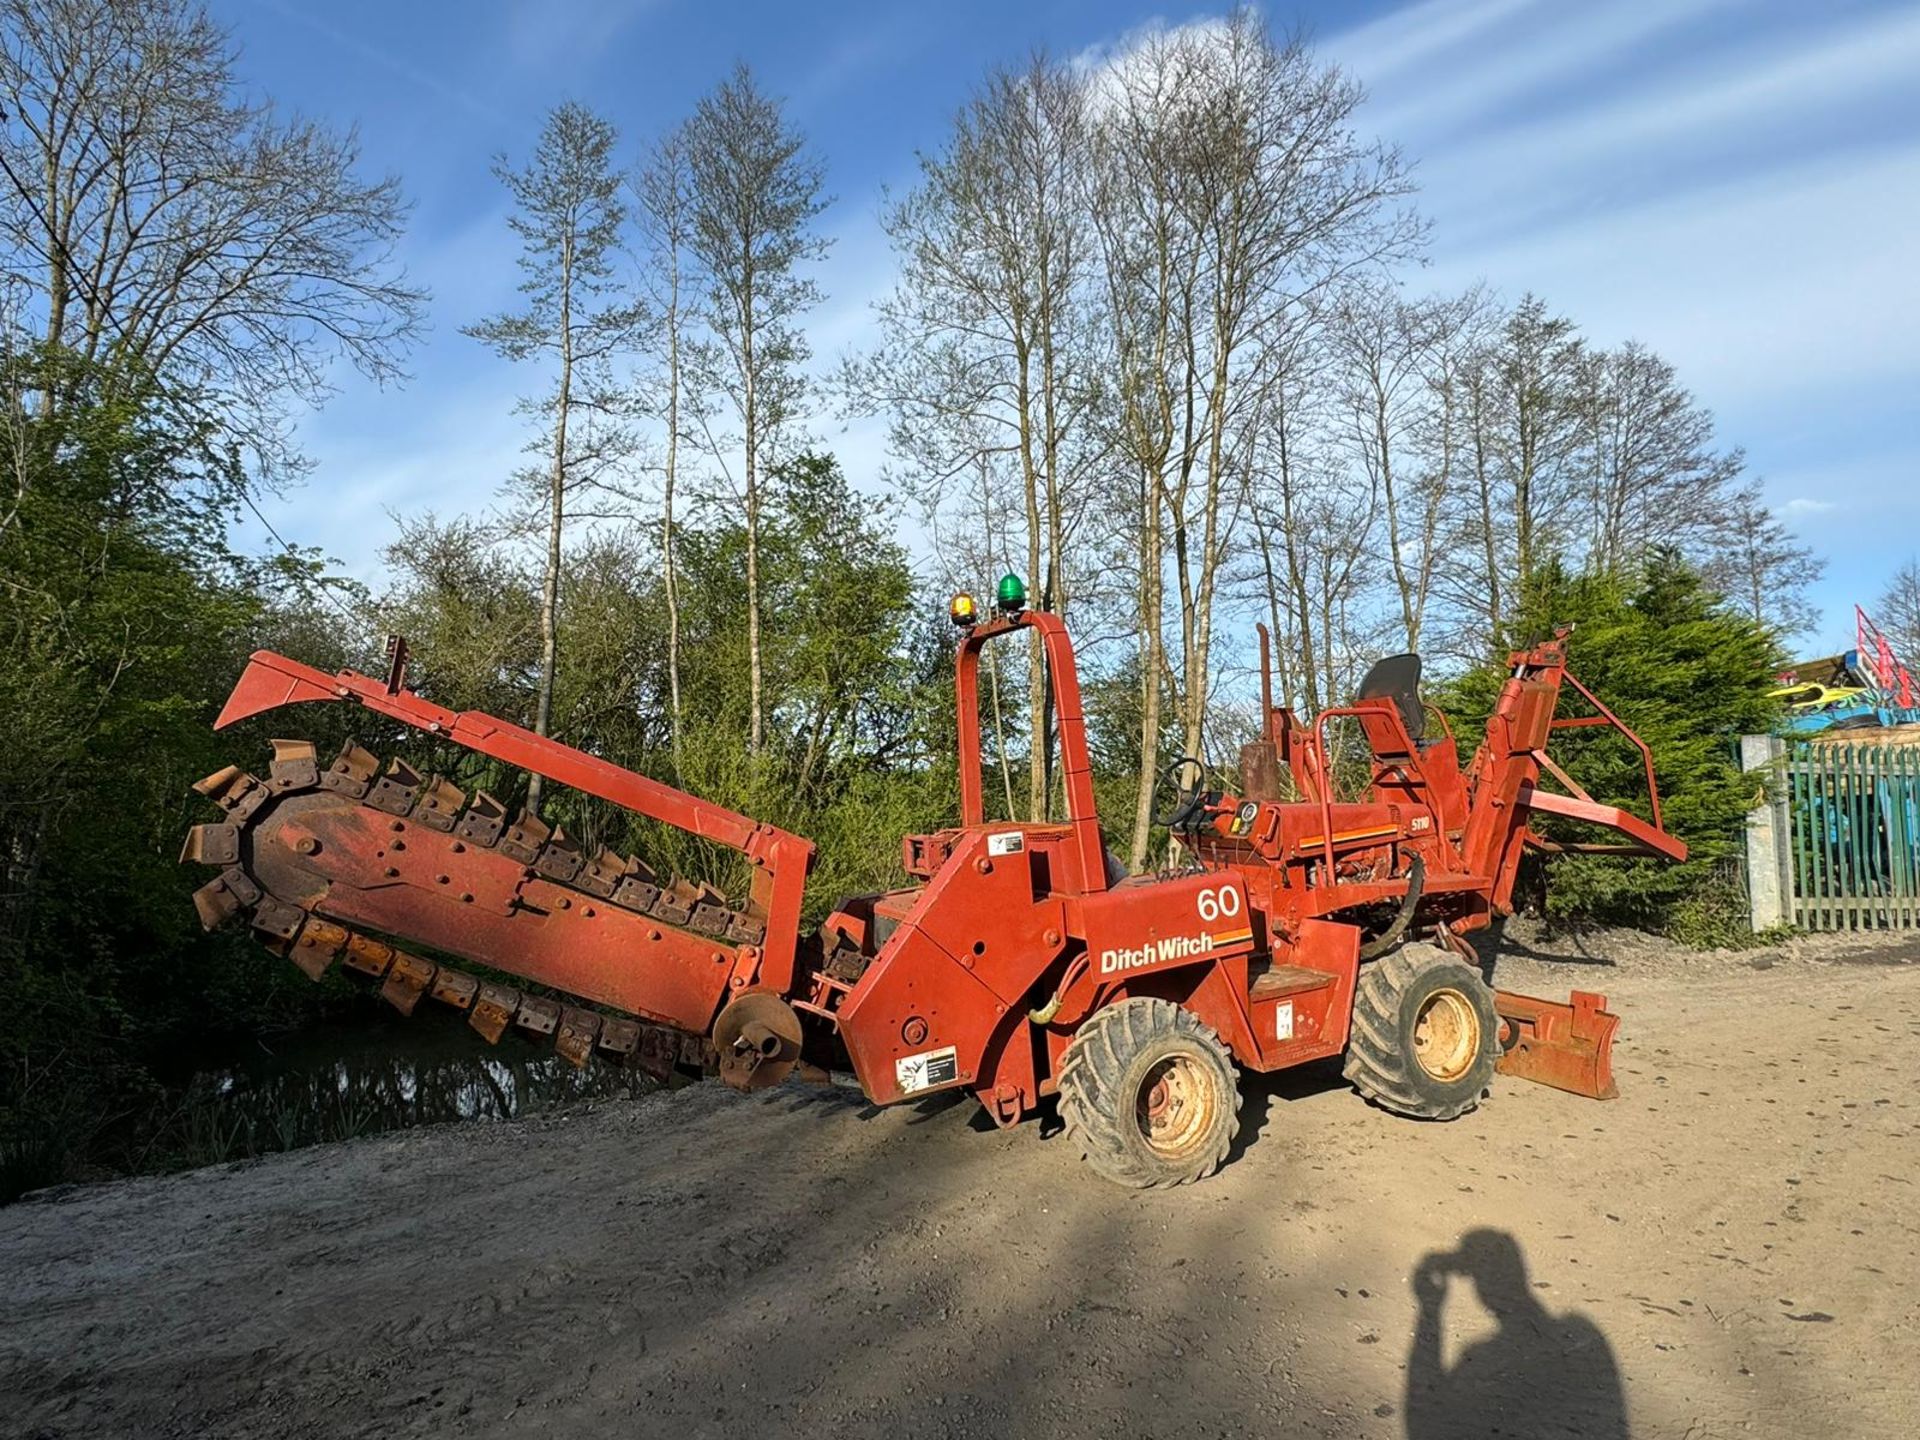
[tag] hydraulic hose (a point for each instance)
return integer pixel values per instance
(1390, 937)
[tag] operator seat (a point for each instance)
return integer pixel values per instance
(1397, 678)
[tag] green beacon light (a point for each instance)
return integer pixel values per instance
(1012, 594)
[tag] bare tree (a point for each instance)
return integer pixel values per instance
(1754, 560)
(755, 194)
(167, 222)
(984, 354)
(1897, 613)
(1316, 526)
(576, 316)
(1462, 583)
(1381, 343)
(1285, 198)
(1537, 439)
(1149, 262)
(1654, 474)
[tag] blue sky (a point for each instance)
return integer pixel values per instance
(1734, 182)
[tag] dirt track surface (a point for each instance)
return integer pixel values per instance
(1731, 1249)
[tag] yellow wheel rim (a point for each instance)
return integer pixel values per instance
(1446, 1035)
(1176, 1106)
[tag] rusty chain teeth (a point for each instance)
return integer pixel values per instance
(395, 788)
(295, 766)
(524, 836)
(486, 817)
(491, 1008)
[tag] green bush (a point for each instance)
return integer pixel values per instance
(1687, 672)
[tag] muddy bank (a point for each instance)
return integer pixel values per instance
(1733, 1248)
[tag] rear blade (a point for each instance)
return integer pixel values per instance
(1569, 1047)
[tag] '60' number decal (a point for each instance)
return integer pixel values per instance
(1222, 903)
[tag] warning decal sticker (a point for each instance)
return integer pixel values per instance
(926, 1070)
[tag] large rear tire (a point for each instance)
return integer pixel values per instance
(1425, 1036)
(1149, 1094)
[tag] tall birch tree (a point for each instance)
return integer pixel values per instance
(755, 195)
(663, 200)
(576, 317)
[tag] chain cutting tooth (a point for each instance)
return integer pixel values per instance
(710, 919)
(223, 897)
(637, 895)
(637, 889)
(231, 787)
(744, 929)
(352, 771)
(603, 873)
(455, 988)
(576, 1034)
(277, 918)
(220, 781)
(212, 845)
(493, 1011)
(438, 804)
(369, 957)
(235, 792)
(393, 792)
(617, 1036)
(524, 836)
(674, 904)
(407, 981)
(540, 1016)
(319, 943)
(296, 766)
(559, 860)
(486, 817)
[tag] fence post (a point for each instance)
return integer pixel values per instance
(1769, 861)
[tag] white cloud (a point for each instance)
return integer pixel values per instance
(567, 32)
(1445, 83)
(1785, 285)
(1640, 138)
(1413, 37)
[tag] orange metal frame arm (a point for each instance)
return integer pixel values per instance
(1608, 718)
(781, 859)
(1076, 767)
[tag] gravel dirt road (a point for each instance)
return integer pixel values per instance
(1731, 1249)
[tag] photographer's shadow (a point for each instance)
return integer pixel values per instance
(1539, 1374)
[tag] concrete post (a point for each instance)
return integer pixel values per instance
(1769, 846)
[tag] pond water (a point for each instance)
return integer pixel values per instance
(374, 1072)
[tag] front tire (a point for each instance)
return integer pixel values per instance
(1149, 1094)
(1425, 1036)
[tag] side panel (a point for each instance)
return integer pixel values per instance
(1144, 924)
(932, 1009)
(1310, 1024)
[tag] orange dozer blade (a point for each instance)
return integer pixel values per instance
(1569, 1047)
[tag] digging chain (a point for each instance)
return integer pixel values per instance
(395, 788)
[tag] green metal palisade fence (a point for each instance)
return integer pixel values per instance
(1855, 836)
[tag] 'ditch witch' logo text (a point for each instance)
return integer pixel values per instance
(1174, 947)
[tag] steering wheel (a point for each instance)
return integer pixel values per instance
(1188, 803)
